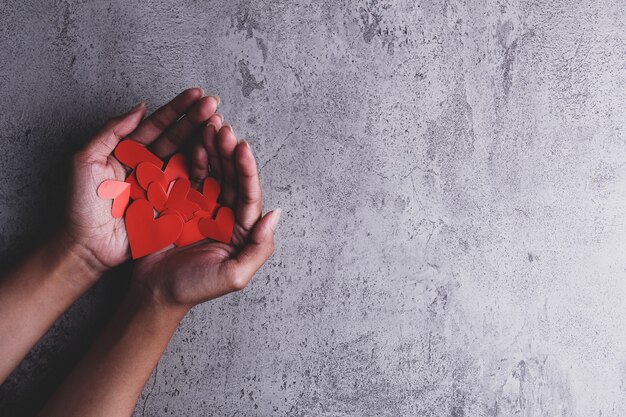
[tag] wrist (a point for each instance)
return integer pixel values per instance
(73, 260)
(148, 300)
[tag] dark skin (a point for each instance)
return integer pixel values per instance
(165, 285)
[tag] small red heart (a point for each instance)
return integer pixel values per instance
(147, 234)
(220, 228)
(132, 153)
(157, 196)
(176, 168)
(211, 188)
(207, 199)
(119, 191)
(136, 192)
(148, 173)
(191, 233)
(177, 199)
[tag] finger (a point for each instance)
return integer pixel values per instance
(183, 129)
(112, 133)
(250, 195)
(236, 273)
(199, 156)
(199, 165)
(209, 140)
(226, 144)
(163, 117)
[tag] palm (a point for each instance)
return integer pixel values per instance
(190, 275)
(90, 217)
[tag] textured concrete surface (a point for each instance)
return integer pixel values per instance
(453, 181)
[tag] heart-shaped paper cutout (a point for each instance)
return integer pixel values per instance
(132, 153)
(211, 188)
(119, 192)
(220, 228)
(207, 200)
(191, 233)
(157, 196)
(177, 199)
(136, 192)
(148, 173)
(176, 168)
(147, 234)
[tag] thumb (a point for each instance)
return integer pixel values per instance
(239, 271)
(113, 132)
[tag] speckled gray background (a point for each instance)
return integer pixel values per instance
(453, 180)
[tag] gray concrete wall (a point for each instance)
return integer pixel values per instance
(453, 181)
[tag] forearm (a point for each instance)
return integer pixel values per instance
(36, 293)
(110, 378)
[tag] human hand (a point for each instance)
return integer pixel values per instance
(88, 222)
(179, 278)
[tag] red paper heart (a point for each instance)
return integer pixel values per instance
(148, 173)
(220, 228)
(147, 234)
(136, 192)
(207, 200)
(157, 196)
(177, 199)
(132, 153)
(191, 233)
(119, 191)
(176, 168)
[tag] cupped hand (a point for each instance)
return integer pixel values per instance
(184, 277)
(89, 222)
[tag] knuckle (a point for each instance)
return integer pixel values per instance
(160, 121)
(252, 197)
(235, 281)
(174, 137)
(238, 282)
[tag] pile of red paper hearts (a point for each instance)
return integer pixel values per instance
(184, 215)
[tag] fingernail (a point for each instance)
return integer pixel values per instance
(275, 217)
(220, 116)
(229, 127)
(217, 98)
(246, 144)
(138, 106)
